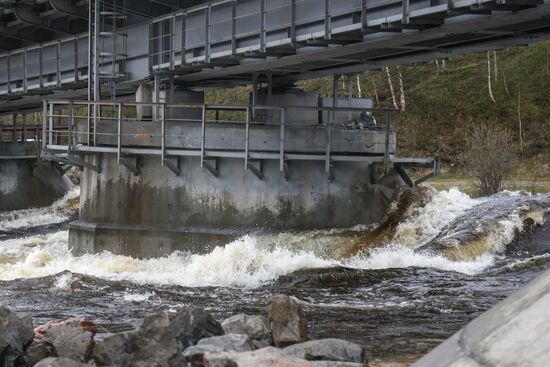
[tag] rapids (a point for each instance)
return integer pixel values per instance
(436, 262)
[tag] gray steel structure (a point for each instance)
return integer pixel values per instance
(44, 45)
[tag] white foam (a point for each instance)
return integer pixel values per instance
(138, 297)
(58, 212)
(425, 223)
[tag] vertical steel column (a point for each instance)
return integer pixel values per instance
(387, 143)
(254, 92)
(328, 25)
(8, 62)
(183, 35)
(24, 118)
(70, 128)
(282, 140)
(233, 27)
(14, 127)
(157, 95)
(207, 13)
(40, 68)
(58, 57)
(203, 134)
(76, 58)
(350, 94)
(95, 61)
(406, 11)
(25, 75)
(119, 132)
(51, 123)
(330, 122)
(364, 16)
(262, 26)
(44, 123)
(269, 85)
(293, 22)
(172, 41)
(163, 134)
(247, 136)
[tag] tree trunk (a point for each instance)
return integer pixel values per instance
(375, 91)
(489, 77)
(520, 124)
(359, 92)
(495, 65)
(401, 89)
(392, 91)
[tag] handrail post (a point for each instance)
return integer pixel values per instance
(44, 122)
(203, 134)
(70, 127)
(282, 140)
(163, 134)
(247, 137)
(387, 143)
(51, 123)
(119, 136)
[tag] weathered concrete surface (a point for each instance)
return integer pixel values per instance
(155, 211)
(514, 333)
(24, 183)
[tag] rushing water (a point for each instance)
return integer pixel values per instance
(448, 258)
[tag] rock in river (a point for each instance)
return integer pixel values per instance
(327, 350)
(15, 335)
(255, 326)
(286, 320)
(60, 362)
(191, 325)
(224, 343)
(71, 338)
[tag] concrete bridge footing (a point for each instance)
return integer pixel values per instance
(156, 212)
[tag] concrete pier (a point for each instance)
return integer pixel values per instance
(25, 182)
(156, 212)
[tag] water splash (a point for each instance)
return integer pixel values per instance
(425, 236)
(59, 212)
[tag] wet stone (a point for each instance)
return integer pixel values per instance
(265, 357)
(224, 343)
(71, 338)
(286, 321)
(191, 325)
(255, 326)
(153, 344)
(37, 351)
(327, 350)
(15, 334)
(59, 362)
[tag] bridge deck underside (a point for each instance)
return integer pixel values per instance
(225, 43)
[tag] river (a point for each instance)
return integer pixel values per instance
(444, 260)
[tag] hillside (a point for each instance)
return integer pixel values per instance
(443, 99)
(441, 104)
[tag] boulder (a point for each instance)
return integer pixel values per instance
(327, 350)
(286, 320)
(71, 338)
(153, 344)
(191, 325)
(255, 326)
(35, 352)
(224, 343)
(265, 357)
(59, 362)
(15, 335)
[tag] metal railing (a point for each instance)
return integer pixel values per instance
(69, 128)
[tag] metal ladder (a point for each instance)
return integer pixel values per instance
(108, 35)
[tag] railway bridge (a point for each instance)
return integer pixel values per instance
(117, 87)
